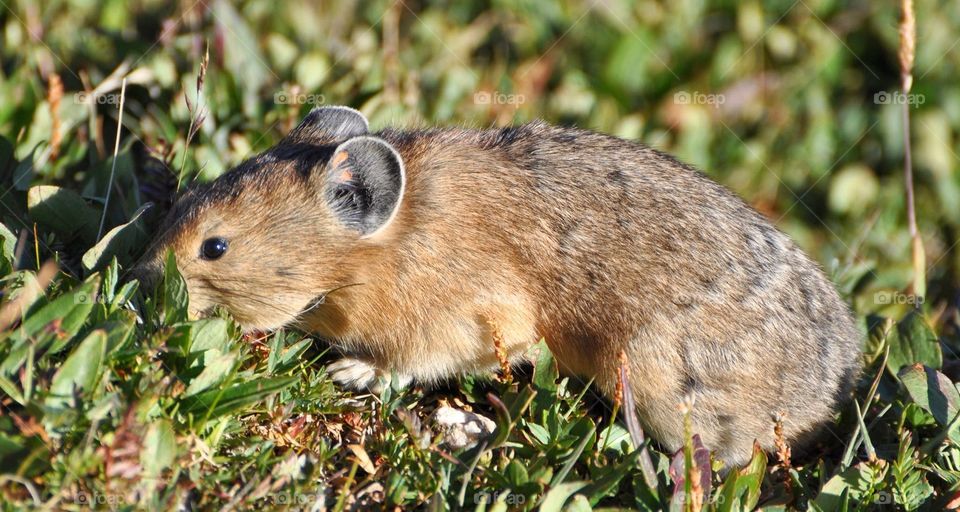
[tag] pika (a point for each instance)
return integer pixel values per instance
(407, 249)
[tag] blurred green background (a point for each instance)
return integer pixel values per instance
(790, 103)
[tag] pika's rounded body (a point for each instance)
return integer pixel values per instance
(410, 250)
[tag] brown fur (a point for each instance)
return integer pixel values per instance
(594, 243)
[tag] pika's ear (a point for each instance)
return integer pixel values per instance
(364, 184)
(330, 125)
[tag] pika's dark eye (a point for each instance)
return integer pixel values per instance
(213, 248)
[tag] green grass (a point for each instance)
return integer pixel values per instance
(111, 398)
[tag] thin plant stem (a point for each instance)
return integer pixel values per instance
(908, 42)
(113, 166)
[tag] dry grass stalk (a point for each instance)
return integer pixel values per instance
(113, 165)
(506, 374)
(197, 112)
(54, 95)
(783, 452)
(908, 43)
(622, 376)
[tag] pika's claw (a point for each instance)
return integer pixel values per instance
(360, 375)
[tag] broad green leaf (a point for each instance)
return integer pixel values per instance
(857, 482)
(175, 299)
(516, 474)
(545, 375)
(557, 496)
(585, 439)
(110, 276)
(289, 356)
(79, 372)
(613, 438)
(103, 406)
(11, 389)
(579, 503)
(276, 345)
(934, 392)
(218, 402)
(120, 327)
(840, 504)
(10, 445)
(607, 479)
(124, 294)
(159, 449)
(24, 171)
(178, 342)
(741, 489)
(118, 243)
(545, 372)
(216, 369)
(9, 242)
(541, 434)
(913, 341)
(53, 325)
(63, 211)
(210, 334)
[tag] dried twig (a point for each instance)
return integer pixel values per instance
(908, 38)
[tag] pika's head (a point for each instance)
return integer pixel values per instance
(268, 239)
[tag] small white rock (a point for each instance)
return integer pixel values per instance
(461, 429)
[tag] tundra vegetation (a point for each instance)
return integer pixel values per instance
(111, 398)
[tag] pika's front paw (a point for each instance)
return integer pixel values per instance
(361, 375)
